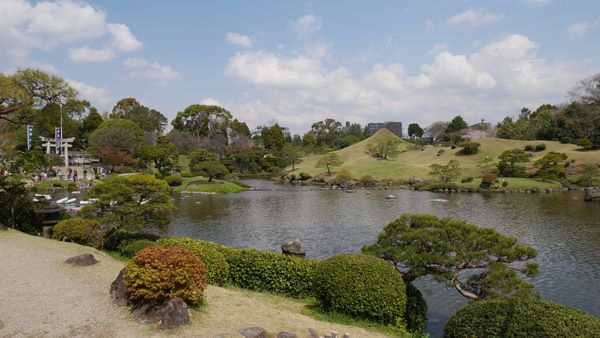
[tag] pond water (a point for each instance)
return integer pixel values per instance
(560, 226)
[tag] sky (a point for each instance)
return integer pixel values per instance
(300, 62)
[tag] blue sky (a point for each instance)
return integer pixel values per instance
(301, 62)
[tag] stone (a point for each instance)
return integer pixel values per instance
(118, 290)
(414, 180)
(441, 152)
(82, 260)
(390, 197)
(253, 332)
(334, 334)
(284, 334)
(312, 333)
(454, 146)
(348, 184)
(173, 315)
(3, 227)
(294, 247)
(346, 335)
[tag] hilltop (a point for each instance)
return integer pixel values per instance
(415, 163)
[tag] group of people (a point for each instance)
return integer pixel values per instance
(70, 173)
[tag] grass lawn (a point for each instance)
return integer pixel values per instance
(415, 163)
(201, 184)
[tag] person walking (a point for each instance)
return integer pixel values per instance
(84, 173)
(60, 174)
(75, 176)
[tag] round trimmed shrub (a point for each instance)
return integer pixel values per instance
(217, 269)
(540, 147)
(133, 248)
(186, 174)
(122, 238)
(157, 274)
(158, 175)
(520, 317)
(529, 147)
(80, 231)
(488, 180)
(56, 184)
(470, 147)
(565, 140)
(361, 286)
(174, 180)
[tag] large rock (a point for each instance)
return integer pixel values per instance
(82, 260)
(253, 332)
(312, 333)
(441, 152)
(284, 334)
(174, 315)
(3, 227)
(294, 247)
(348, 184)
(414, 180)
(118, 290)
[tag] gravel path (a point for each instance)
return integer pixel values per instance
(41, 296)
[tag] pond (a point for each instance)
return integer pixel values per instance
(560, 226)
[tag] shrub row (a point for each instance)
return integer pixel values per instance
(520, 317)
(122, 238)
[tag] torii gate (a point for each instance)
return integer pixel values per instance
(57, 144)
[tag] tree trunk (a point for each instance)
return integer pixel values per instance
(328, 171)
(12, 214)
(465, 293)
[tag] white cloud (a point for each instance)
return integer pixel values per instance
(238, 39)
(429, 26)
(318, 50)
(266, 69)
(86, 54)
(211, 102)
(454, 71)
(140, 68)
(47, 25)
(578, 30)
(536, 2)
(307, 25)
(474, 18)
(123, 40)
(97, 96)
(439, 47)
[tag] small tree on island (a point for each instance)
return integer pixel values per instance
(207, 161)
(130, 202)
(446, 172)
(384, 150)
(508, 163)
(328, 161)
(549, 166)
(424, 245)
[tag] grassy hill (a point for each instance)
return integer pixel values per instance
(415, 163)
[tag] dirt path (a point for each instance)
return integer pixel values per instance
(41, 296)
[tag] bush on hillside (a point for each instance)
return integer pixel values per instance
(259, 270)
(217, 268)
(488, 180)
(134, 247)
(304, 177)
(122, 238)
(186, 174)
(174, 180)
(158, 175)
(157, 274)
(361, 286)
(529, 147)
(565, 140)
(80, 231)
(56, 184)
(520, 317)
(540, 147)
(470, 147)
(71, 184)
(585, 144)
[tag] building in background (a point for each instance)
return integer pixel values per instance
(258, 130)
(394, 127)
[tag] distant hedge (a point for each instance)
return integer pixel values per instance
(519, 317)
(362, 286)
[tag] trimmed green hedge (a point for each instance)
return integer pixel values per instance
(174, 180)
(122, 238)
(258, 270)
(518, 317)
(415, 316)
(132, 248)
(362, 286)
(217, 268)
(80, 231)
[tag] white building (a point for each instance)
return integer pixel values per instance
(258, 130)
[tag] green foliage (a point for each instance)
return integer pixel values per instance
(517, 317)
(326, 132)
(456, 125)
(186, 174)
(202, 120)
(343, 175)
(122, 238)
(329, 161)
(508, 166)
(304, 176)
(415, 130)
(384, 150)
(57, 184)
(488, 180)
(415, 316)
(217, 268)
(421, 245)
(529, 147)
(131, 201)
(163, 155)
(80, 231)
(566, 140)
(361, 286)
(446, 172)
(117, 134)
(549, 167)
(157, 274)
(71, 184)
(272, 137)
(208, 162)
(292, 177)
(258, 270)
(174, 180)
(134, 247)
(470, 147)
(158, 175)
(585, 144)
(467, 179)
(540, 147)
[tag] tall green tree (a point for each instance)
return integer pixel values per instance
(202, 120)
(291, 154)
(327, 131)
(207, 161)
(424, 245)
(130, 202)
(550, 167)
(309, 140)
(508, 163)
(272, 138)
(446, 172)
(415, 130)
(384, 149)
(123, 107)
(117, 133)
(329, 161)
(147, 119)
(163, 155)
(457, 124)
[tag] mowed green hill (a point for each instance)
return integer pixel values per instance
(415, 163)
